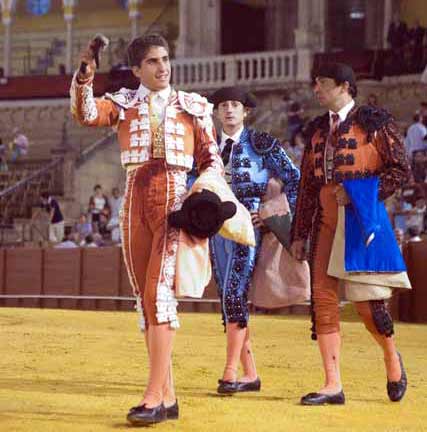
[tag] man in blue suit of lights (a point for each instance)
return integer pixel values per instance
(250, 158)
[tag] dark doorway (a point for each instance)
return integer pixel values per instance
(243, 26)
(346, 24)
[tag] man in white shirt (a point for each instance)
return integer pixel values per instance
(348, 142)
(116, 201)
(416, 136)
(250, 158)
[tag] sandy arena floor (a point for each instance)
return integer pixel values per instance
(81, 371)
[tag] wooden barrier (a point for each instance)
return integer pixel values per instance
(44, 277)
(126, 289)
(413, 304)
(80, 278)
(23, 275)
(2, 271)
(100, 276)
(62, 274)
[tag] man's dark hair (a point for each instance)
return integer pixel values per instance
(339, 72)
(89, 239)
(138, 48)
(44, 195)
(97, 186)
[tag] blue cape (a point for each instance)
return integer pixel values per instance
(370, 244)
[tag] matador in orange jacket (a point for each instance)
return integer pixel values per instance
(161, 132)
(349, 142)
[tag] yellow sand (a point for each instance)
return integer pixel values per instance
(81, 371)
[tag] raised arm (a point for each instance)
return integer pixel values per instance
(85, 108)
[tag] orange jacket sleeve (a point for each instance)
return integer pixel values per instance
(87, 109)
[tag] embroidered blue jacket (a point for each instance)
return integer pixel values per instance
(254, 160)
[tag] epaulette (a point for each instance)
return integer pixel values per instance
(123, 97)
(372, 118)
(262, 142)
(195, 104)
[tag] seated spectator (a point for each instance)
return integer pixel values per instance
(415, 217)
(19, 145)
(400, 237)
(83, 227)
(115, 201)
(68, 240)
(102, 227)
(89, 241)
(113, 225)
(410, 194)
(414, 234)
(415, 139)
(98, 204)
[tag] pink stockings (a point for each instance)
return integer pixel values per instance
(160, 388)
(239, 348)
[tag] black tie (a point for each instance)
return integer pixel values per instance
(225, 154)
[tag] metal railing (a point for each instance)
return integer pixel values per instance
(23, 194)
(90, 150)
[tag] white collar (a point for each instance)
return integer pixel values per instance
(235, 137)
(343, 112)
(144, 91)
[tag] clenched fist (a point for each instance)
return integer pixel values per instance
(341, 196)
(87, 62)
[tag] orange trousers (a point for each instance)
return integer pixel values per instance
(325, 288)
(153, 190)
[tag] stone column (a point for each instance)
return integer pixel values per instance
(389, 10)
(68, 6)
(311, 25)
(7, 7)
(281, 22)
(203, 17)
(134, 16)
(310, 34)
(374, 16)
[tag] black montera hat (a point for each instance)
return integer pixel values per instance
(340, 72)
(202, 214)
(233, 94)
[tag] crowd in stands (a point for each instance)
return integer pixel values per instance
(408, 46)
(98, 226)
(14, 150)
